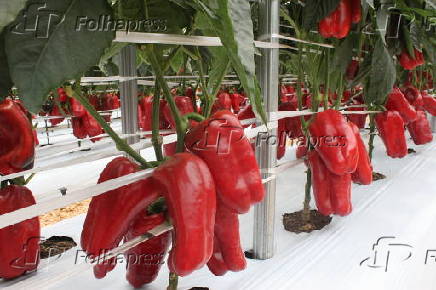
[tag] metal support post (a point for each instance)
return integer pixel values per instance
(266, 148)
(432, 122)
(129, 93)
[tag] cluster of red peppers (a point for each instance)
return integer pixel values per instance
(17, 153)
(338, 157)
(410, 62)
(405, 108)
(204, 188)
(338, 23)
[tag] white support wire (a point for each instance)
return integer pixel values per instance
(161, 38)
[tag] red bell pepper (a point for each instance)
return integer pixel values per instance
(91, 126)
(110, 214)
(338, 23)
(334, 141)
(20, 242)
(352, 68)
(281, 139)
(184, 104)
(363, 173)
(77, 109)
(144, 260)
(408, 62)
(237, 100)
(17, 149)
(332, 192)
(227, 235)
(429, 103)
(216, 262)
(292, 124)
(189, 191)
(397, 102)
(420, 129)
(221, 143)
(414, 97)
(63, 97)
(356, 11)
(170, 149)
(358, 119)
(246, 114)
(79, 130)
(390, 126)
(55, 111)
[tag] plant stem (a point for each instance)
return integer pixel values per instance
(194, 116)
(156, 139)
(173, 280)
(371, 134)
(180, 123)
(306, 204)
(120, 143)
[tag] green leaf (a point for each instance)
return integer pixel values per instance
(231, 19)
(382, 75)
(58, 50)
(343, 54)
(5, 78)
(9, 10)
(315, 10)
(382, 20)
(220, 65)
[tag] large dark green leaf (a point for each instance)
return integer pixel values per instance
(382, 75)
(57, 51)
(9, 10)
(220, 65)
(343, 54)
(5, 78)
(231, 20)
(315, 10)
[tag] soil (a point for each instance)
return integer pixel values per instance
(411, 150)
(377, 176)
(293, 222)
(199, 288)
(55, 245)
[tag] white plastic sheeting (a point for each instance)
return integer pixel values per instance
(401, 208)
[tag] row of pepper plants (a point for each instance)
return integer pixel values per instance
(371, 53)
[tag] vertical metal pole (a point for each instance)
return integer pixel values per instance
(129, 93)
(432, 122)
(266, 153)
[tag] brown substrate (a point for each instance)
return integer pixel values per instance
(293, 222)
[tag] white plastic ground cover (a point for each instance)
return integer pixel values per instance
(399, 212)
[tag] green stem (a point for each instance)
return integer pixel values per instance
(194, 116)
(208, 97)
(173, 280)
(180, 124)
(120, 143)
(339, 96)
(327, 83)
(156, 139)
(371, 134)
(307, 197)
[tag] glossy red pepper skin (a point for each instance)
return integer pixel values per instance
(237, 100)
(189, 191)
(352, 68)
(420, 129)
(79, 130)
(390, 126)
(414, 97)
(332, 192)
(221, 143)
(408, 62)
(145, 260)
(397, 102)
(55, 111)
(429, 103)
(20, 242)
(246, 114)
(363, 173)
(77, 109)
(356, 11)
(358, 119)
(17, 149)
(335, 141)
(281, 139)
(227, 235)
(92, 127)
(169, 149)
(292, 124)
(224, 101)
(338, 23)
(216, 262)
(184, 104)
(110, 214)
(145, 114)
